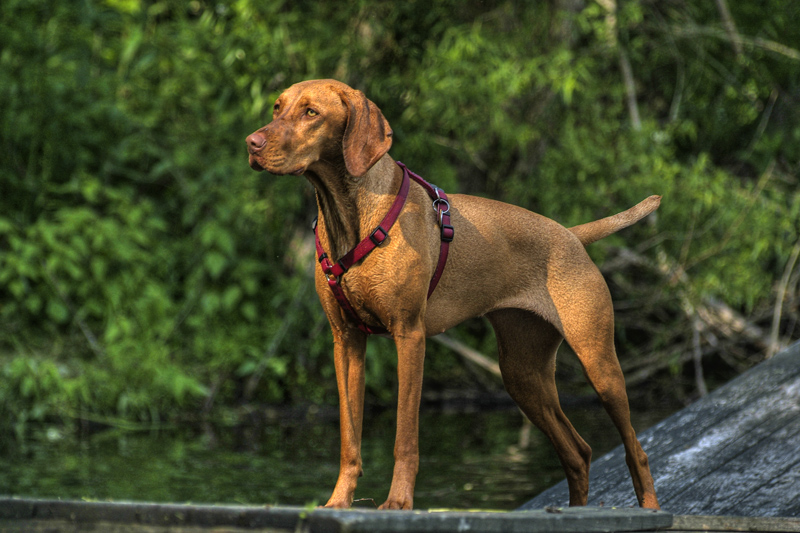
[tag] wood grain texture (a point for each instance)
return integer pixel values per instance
(734, 452)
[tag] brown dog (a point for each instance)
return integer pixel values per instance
(530, 276)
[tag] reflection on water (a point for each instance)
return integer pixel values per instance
(468, 460)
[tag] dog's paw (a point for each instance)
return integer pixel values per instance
(403, 504)
(339, 503)
(335, 505)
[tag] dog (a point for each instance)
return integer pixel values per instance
(528, 275)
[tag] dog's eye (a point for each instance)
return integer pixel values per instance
(276, 107)
(311, 113)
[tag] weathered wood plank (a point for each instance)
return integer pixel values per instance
(567, 520)
(745, 415)
(725, 488)
(119, 517)
(67, 526)
(726, 524)
(147, 515)
(690, 426)
(772, 497)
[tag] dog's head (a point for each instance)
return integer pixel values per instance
(320, 120)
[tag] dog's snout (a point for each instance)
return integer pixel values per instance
(255, 142)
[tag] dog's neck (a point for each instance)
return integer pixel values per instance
(350, 208)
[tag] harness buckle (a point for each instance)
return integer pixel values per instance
(448, 232)
(329, 268)
(377, 237)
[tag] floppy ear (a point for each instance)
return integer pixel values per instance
(367, 136)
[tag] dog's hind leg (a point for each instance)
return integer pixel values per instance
(587, 318)
(527, 347)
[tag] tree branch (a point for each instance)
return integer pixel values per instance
(730, 27)
(624, 63)
(468, 353)
(766, 44)
(630, 89)
(774, 341)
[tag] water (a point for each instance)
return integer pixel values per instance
(468, 460)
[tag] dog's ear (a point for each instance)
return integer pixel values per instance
(367, 136)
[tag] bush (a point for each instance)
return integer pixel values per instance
(147, 273)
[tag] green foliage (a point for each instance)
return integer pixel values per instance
(146, 272)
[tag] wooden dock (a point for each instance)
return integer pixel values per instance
(734, 452)
(55, 516)
(51, 516)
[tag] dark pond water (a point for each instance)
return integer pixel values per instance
(468, 460)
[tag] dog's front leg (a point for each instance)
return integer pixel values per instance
(410, 359)
(348, 354)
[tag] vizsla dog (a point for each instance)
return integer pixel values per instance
(382, 252)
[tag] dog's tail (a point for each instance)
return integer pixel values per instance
(599, 229)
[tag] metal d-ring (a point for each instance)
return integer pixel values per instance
(442, 213)
(438, 202)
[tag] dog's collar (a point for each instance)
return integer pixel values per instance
(334, 271)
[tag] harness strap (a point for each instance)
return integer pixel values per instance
(334, 271)
(374, 240)
(442, 207)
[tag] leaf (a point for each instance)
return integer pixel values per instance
(249, 311)
(99, 267)
(215, 263)
(57, 311)
(210, 302)
(231, 297)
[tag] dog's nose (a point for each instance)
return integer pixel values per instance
(255, 142)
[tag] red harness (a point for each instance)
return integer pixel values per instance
(334, 271)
